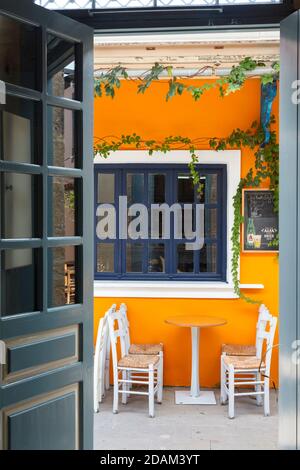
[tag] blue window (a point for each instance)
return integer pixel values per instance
(161, 253)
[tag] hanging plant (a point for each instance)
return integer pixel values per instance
(108, 82)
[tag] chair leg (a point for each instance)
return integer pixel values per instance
(116, 394)
(160, 378)
(101, 372)
(231, 393)
(100, 389)
(258, 389)
(96, 388)
(130, 384)
(266, 397)
(107, 361)
(151, 391)
(98, 380)
(124, 387)
(223, 396)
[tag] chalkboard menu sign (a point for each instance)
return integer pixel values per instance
(260, 225)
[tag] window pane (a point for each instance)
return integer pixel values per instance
(135, 187)
(61, 274)
(61, 67)
(21, 281)
(155, 224)
(134, 257)
(21, 206)
(185, 259)
(19, 46)
(21, 130)
(106, 188)
(63, 208)
(211, 223)
(208, 259)
(62, 146)
(156, 263)
(209, 189)
(188, 223)
(142, 253)
(185, 188)
(157, 188)
(105, 257)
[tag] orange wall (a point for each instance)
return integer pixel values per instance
(151, 116)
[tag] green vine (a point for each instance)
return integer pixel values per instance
(266, 168)
(107, 83)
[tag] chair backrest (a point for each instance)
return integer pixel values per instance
(264, 319)
(113, 319)
(102, 333)
(269, 337)
(102, 336)
(124, 319)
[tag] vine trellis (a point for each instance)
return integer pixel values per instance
(266, 154)
(108, 82)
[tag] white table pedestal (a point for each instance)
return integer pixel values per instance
(195, 396)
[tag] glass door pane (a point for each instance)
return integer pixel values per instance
(21, 281)
(21, 130)
(62, 67)
(64, 126)
(21, 205)
(20, 49)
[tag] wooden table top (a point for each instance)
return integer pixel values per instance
(200, 321)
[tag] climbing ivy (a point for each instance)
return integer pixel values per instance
(109, 81)
(266, 165)
(266, 168)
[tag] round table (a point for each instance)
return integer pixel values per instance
(195, 322)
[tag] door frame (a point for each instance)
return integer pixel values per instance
(81, 313)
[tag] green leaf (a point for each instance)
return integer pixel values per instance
(170, 70)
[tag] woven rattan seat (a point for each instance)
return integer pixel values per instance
(146, 349)
(239, 349)
(244, 362)
(138, 361)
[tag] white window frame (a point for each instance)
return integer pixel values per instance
(179, 289)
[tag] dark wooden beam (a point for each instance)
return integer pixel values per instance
(183, 18)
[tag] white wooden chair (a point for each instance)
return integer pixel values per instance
(102, 342)
(151, 349)
(264, 316)
(250, 371)
(133, 369)
(148, 349)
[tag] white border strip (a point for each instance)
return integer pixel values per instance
(178, 289)
(168, 289)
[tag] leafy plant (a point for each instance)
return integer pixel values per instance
(266, 168)
(111, 80)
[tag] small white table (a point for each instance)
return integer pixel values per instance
(195, 396)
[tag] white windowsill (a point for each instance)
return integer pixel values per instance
(169, 289)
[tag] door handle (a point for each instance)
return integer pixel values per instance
(2, 352)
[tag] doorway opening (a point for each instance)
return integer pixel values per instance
(180, 107)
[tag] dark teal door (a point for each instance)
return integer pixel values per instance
(46, 244)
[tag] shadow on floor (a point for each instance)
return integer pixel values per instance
(181, 427)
